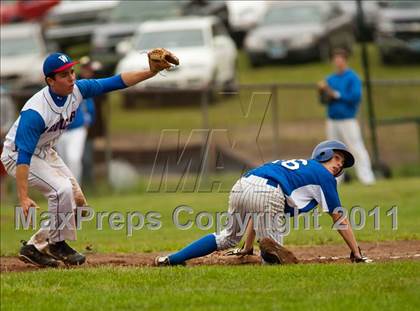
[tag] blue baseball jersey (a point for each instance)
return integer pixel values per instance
(305, 184)
(349, 87)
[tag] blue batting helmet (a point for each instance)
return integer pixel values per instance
(324, 151)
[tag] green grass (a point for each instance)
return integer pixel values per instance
(377, 286)
(385, 286)
(386, 193)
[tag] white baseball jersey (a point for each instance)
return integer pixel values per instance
(47, 115)
(56, 119)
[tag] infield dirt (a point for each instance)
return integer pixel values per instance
(322, 254)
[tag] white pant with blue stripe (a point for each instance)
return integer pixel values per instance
(253, 197)
(51, 176)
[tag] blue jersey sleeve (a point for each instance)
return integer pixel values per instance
(353, 91)
(96, 87)
(329, 188)
(31, 126)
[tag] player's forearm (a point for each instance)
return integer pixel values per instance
(345, 230)
(250, 236)
(22, 173)
(131, 78)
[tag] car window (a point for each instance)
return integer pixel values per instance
(219, 29)
(132, 11)
(292, 14)
(19, 46)
(403, 4)
(171, 39)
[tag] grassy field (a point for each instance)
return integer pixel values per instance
(379, 286)
(387, 286)
(390, 286)
(402, 193)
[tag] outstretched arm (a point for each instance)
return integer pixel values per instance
(133, 77)
(95, 87)
(159, 59)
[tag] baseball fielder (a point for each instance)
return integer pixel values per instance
(341, 92)
(28, 153)
(272, 190)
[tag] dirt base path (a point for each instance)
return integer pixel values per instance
(379, 252)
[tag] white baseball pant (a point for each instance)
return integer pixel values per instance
(51, 176)
(70, 147)
(348, 131)
(252, 196)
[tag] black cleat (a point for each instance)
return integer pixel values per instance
(29, 254)
(62, 251)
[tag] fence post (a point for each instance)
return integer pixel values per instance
(275, 119)
(204, 103)
(108, 147)
(365, 62)
(418, 137)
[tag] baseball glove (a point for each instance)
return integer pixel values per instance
(160, 59)
(361, 259)
(324, 97)
(274, 253)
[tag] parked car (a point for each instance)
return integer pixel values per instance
(23, 51)
(299, 30)
(398, 30)
(121, 24)
(206, 52)
(207, 8)
(370, 9)
(25, 10)
(73, 22)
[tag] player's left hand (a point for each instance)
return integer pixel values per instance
(322, 85)
(239, 252)
(160, 59)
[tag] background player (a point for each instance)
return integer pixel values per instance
(28, 152)
(272, 190)
(342, 92)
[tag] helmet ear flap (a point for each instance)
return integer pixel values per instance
(324, 155)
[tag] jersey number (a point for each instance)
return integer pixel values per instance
(293, 164)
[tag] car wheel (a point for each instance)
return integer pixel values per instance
(387, 59)
(129, 100)
(231, 86)
(324, 52)
(255, 62)
(350, 39)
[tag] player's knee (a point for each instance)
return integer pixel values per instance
(224, 242)
(65, 189)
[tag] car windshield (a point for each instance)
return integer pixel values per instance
(292, 15)
(129, 11)
(171, 39)
(19, 46)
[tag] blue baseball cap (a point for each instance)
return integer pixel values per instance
(57, 62)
